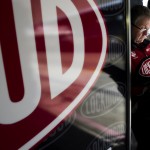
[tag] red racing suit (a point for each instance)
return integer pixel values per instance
(140, 70)
(140, 92)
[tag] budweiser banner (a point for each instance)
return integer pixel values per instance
(64, 74)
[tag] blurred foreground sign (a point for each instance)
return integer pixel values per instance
(51, 53)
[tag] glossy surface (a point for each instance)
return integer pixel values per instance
(62, 59)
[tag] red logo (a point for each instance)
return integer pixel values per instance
(145, 68)
(51, 53)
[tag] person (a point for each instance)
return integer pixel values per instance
(140, 75)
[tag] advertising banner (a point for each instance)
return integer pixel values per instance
(64, 75)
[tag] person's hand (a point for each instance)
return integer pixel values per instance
(140, 38)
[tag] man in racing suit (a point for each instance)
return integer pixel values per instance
(140, 75)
